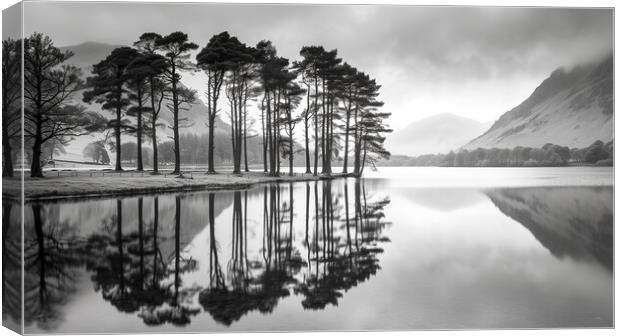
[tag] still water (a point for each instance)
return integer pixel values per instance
(403, 248)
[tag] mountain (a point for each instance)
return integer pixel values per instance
(194, 119)
(436, 134)
(571, 108)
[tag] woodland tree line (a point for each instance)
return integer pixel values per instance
(333, 104)
(598, 153)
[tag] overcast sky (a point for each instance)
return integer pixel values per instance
(472, 61)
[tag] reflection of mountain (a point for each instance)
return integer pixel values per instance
(444, 200)
(574, 222)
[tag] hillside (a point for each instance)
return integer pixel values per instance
(436, 134)
(573, 107)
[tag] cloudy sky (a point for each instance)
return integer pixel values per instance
(472, 61)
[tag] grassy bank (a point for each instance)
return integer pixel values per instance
(97, 184)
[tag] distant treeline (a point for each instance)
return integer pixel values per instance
(599, 153)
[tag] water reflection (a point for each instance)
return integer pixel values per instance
(316, 247)
(11, 266)
(273, 256)
(569, 221)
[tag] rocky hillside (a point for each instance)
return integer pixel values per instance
(573, 107)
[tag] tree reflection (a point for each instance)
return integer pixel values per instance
(341, 266)
(177, 307)
(52, 256)
(132, 276)
(252, 285)
(335, 247)
(114, 273)
(11, 266)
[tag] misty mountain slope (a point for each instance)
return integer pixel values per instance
(194, 120)
(570, 108)
(436, 134)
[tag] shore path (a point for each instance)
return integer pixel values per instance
(68, 185)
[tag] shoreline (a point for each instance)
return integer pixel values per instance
(58, 188)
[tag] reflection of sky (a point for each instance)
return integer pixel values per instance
(465, 177)
(474, 267)
(454, 261)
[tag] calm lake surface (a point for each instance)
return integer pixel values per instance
(403, 248)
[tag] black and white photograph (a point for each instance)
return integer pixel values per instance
(227, 167)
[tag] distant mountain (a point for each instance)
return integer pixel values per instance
(194, 119)
(86, 54)
(570, 108)
(436, 134)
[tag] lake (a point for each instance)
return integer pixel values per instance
(402, 248)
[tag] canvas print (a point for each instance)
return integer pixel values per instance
(226, 167)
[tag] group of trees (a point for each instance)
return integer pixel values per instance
(135, 84)
(49, 84)
(598, 153)
(333, 91)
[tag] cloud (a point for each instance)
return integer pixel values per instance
(474, 61)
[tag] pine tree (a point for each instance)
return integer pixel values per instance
(49, 85)
(11, 95)
(109, 86)
(157, 65)
(175, 48)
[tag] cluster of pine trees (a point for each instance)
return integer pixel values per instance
(598, 153)
(335, 103)
(51, 117)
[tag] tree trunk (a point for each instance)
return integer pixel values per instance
(175, 126)
(323, 124)
(290, 144)
(214, 87)
(35, 165)
(307, 140)
(154, 139)
(363, 164)
(245, 139)
(264, 135)
(329, 140)
(272, 135)
(316, 125)
(139, 131)
(211, 165)
(356, 150)
(278, 133)
(117, 128)
(154, 125)
(7, 157)
(345, 167)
